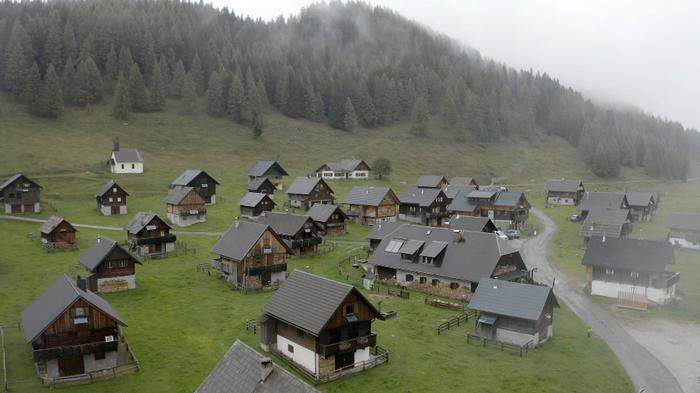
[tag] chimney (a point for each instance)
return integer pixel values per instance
(457, 235)
(81, 283)
(115, 143)
(266, 368)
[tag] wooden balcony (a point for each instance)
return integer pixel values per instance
(74, 350)
(350, 344)
(257, 270)
(312, 241)
(156, 240)
(667, 280)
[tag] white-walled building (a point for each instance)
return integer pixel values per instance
(345, 169)
(684, 230)
(125, 160)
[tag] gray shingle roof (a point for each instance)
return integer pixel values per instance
(470, 223)
(252, 199)
(108, 186)
(612, 200)
(240, 371)
(462, 181)
(54, 301)
(605, 222)
(524, 301)
(470, 259)
(257, 182)
(237, 241)
(452, 190)
(482, 194)
(640, 198)
(684, 221)
(177, 194)
(367, 195)
(308, 301)
(433, 249)
(284, 224)
(564, 185)
(51, 223)
(260, 168)
(103, 246)
(140, 220)
(304, 185)
(383, 229)
(461, 202)
(423, 197)
(508, 198)
(188, 175)
(15, 177)
(322, 212)
(629, 254)
(430, 181)
(344, 165)
(128, 155)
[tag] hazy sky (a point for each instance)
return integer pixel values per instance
(644, 52)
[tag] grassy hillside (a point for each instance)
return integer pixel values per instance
(181, 322)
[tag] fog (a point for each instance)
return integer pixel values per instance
(640, 53)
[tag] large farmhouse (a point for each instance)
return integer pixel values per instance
(502, 207)
(74, 333)
(269, 169)
(201, 181)
(111, 199)
(382, 230)
(427, 206)
(149, 235)
(111, 267)
(125, 160)
(515, 313)
(369, 205)
(322, 326)
(301, 233)
(564, 192)
(19, 194)
(308, 191)
(251, 256)
(628, 268)
(345, 169)
(684, 230)
(185, 206)
(444, 261)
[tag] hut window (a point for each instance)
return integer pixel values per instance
(634, 274)
(111, 199)
(133, 166)
(80, 312)
(435, 282)
(100, 355)
(114, 190)
(290, 348)
(119, 199)
(454, 285)
(349, 309)
(610, 272)
(409, 277)
(122, 166)
(423, 280)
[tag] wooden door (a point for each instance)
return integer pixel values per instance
(115, 210)
(71, 365)
(344, 359)
(16, 208)
(29, 208)
(266, 278)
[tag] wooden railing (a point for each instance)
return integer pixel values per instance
(349, 344)
(435, 302)
(478, 339)
(73, 350)
(456, 321)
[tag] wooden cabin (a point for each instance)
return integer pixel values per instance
(270, 169)
(185, 206)
(111, 199)
(432, 181)
(308, 191)
(602, 200)
(331, 337)
(111, 267)
(514, 313)
(125, 160)
(202, 182)
(75, 333)
(57, 233)
(684, 230)
(300, 233)
(564, 192)
(473, 224)
(345, 169)
(642, 204)
(502, 207)
(244, 369)
(631, 270)
(604, 222)
(149, 235)
(254, 204)
(444, 261)
(329, 218)
(464, 181)
(368, 205)
(251, 256)
(261, 185)
(19, 194)
(426, 206)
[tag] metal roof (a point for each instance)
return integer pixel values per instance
(470, 258)
(367, 195)
(462, 181)
(433, 249)
(284, 224)
(605, 222)
(321, 212)
(15, 177)
(564, 185)
(305, 185)
(140, 220)
(343, 165)
(188, 175)
(103, 246)
(684, 221)
(481, 194)
(612, 200)
(411, 246)
(470, 223)
(255, 184)
(308, 301)
(260, 168)
(640, 198)
(252, 199)
(629, 254)
(240, 371)
(512, 299)
(382, 229)
(127, 155)
(108, 186)
(177, 194)
(452, 190)
(54, 301)
(430, 181)
(423, 197)
(239, 239)
(52, 222)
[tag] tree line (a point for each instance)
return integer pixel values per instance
(344, 64)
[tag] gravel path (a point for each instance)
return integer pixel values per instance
(647, 373)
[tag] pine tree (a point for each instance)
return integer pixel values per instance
(125, 61)
(89, 82)
(281, 92)
(197, 73)
(68, 82)
(138, 97)
(52, 96)
(122, 102)
(70, 47)
(178, 83)
(252, 100)
(157, 89)
(53, 51)
(111, 68)
(419, 117)
(216, 104)
(236, 97)
(350, 118)
(189, 95)
(16, 62)
(257, 123)
(31, 94)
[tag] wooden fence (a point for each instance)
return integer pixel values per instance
(251, 325)
(478, 339)
(456, 321)
(632, 300)
(436, 302)
(4, 359)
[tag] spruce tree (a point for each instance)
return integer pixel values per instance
(257, 123)
(111, 68)
(215, 102)
(125, 61)
(89, 82)
(197, 73)
(189, 95)
(31, 94)
(52, 96)
(68, 82)
(16, 62)
(419, 117)
(178, 83)
(138, 96)
(157, 89)
(236, 97)
(70, 47)
(122, 101)
(350, 118)
(53, 51)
